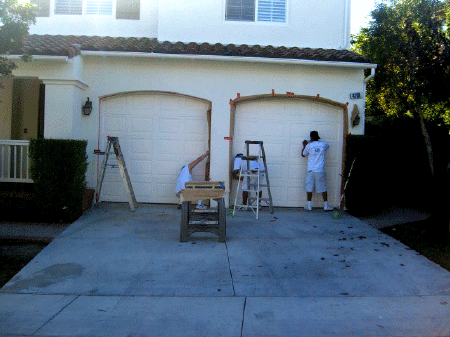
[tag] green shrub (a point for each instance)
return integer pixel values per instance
(390, 169)
(58, 169)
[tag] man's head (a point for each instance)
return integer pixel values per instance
(314, 135)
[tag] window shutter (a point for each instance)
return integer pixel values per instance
(128, 9)
(43, 9)
(240, 10)
(69, 7)
(102, 7)
(272, 10)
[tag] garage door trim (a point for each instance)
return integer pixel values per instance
(288, 96)
(156, 92)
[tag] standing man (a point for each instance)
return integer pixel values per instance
(315, 173)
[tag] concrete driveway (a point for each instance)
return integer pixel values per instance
(292, 273)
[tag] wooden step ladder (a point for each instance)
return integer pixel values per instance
(256, 180)
(114, 142)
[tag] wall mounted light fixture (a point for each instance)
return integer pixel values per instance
(356, 120)
(87, 107)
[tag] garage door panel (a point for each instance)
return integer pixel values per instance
(169, 127)
(294, 194)
(119, 104)
(142, 147)
(167, 168)
(141, 191)
(167, 102)
(158, 134)
(140, 167)
(164, 193)
(195, 128)
(296, 172)
(141, 102)
(141, 125)
(116, 124)
(299, 131)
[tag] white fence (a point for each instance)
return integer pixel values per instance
(14, 161)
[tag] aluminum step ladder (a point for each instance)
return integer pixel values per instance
(114, 142)
(256, 179)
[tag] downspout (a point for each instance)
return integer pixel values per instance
(366, 80)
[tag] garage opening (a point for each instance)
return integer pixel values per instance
(282, 122)
(159, 132)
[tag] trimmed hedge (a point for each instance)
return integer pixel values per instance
(58, 168)
(389, 170)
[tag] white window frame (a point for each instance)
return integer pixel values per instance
(84, 9)
(256, 18)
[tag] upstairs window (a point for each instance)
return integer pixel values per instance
(69, 7)
(240, 10)
(75, 7)
(272, 10)
(262, 10)
(102, 7)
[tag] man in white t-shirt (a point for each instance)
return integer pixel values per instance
(186, 176)
(315, 173)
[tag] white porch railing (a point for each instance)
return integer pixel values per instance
(14, 161)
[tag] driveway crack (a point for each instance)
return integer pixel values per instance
(62, 309)
(229, 268)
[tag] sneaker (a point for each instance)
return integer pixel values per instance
(328, 208)
(201, 207)
(308, 208)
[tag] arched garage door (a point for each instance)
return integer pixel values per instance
(282, 124)
(158, 134)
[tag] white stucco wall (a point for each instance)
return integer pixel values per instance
(309, 23)
(217, 81)
(64, 93)
(314, 24)
(100, 25)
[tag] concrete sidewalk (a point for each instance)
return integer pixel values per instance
(292, 273)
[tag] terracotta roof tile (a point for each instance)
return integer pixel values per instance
(59, 45)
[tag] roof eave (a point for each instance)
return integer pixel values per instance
(250, 59)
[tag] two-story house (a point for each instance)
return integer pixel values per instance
(172, 79)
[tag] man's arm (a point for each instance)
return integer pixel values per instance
(197, 161)
(305, 142)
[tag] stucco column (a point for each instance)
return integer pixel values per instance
(63, 102)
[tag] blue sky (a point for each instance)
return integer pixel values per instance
(360, 10)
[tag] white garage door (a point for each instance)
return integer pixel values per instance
(282, 125)
(158, 134)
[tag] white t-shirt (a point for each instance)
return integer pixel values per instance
(184, 177)
(316, 155)
(253, 164)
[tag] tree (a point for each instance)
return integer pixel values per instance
(15, 21)
(409, 41)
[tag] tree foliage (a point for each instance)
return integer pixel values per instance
(15, 21)
(409, 41)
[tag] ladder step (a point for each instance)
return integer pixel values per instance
(255, 158)
(203, 222)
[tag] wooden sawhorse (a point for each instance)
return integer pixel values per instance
(209, 220)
